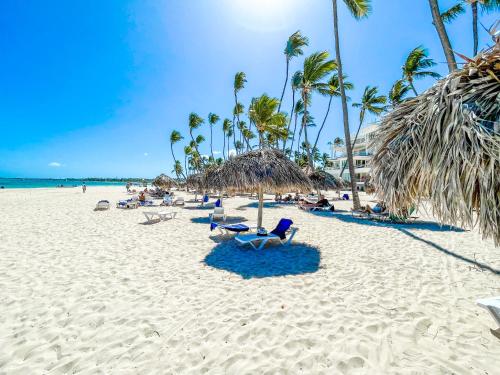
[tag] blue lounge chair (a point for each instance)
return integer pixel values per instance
(279, 233)
(226, 228)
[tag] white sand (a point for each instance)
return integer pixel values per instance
(98, 292)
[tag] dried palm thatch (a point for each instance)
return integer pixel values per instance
(262, 170)
(322, 180)
(164, 182)
(212, 179)
(444, 145)
(369, 186)
(196, 181)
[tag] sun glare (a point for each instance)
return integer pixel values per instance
(262, 15)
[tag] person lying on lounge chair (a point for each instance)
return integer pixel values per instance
(142, 196)
(379, 208)
(322, 202)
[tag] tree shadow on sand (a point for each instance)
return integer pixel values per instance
(229, 220)
(296, 259)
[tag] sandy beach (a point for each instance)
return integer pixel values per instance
(102, 293)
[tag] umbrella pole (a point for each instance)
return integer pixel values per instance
(261, 205)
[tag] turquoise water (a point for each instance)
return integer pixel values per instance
(25, 183)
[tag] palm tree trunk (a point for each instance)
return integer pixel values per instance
(474, 26)
(238, 118)
(356, 137)
(323, 124)
(300, 136)
(304, 126)
(443, 35)
(291, 115)
(284, 86)
(185, 165)
(175, 160)
(211, 135)
(413, 88)
(234, 134)
(294, 130)
(224, 146)
(345, 112)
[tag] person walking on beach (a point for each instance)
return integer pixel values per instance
(84, 188)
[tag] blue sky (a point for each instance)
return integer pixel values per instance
(94, 88)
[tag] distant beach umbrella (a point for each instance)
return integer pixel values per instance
(322, 180)
(262, 170)
(164, 182)
(195, 181)
(444, 145)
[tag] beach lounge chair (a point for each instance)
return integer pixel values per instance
(167, 200)
(493, 306)
(102, 205)
(218, 214)
(129, 203)
(146, 203)
(225, 229)
(160, 215)
(277, 234)
(179, 201)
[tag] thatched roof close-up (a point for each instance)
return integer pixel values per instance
(444, 145)
(164, 182)
(325, 181)
(212, 178)
(195, 181)
(369, 186)
(268, 168)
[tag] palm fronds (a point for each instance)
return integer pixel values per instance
(444, 145)
(453, 12)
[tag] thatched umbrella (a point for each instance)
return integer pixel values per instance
(212, 179)
(259, 170)
(369, 187)
(195, 181)
(164, 182)
(322, 180)
(444, 145)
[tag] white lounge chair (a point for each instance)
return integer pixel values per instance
(278, 234)
(160, 215)
(179, 201)
(493, 306)
(102, 205)
(218, 214)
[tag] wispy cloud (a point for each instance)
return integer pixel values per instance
(146, 154)
(232, 152)
(217, 152)
(55, 164)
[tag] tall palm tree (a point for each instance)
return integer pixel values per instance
(297, 110)
(332, 90)
(212, 120)
(415, 65)
(371, 102)
(175, 137)
(296, 79)
(337, 143)
(359, 9)
(398, 92)
(266, 118)
(187, 153)
(237, 111)
(443, 35)
(194, 123)
(226, 126)
(178, 169)
(309, 121)
(316, 67)
(239, 83)
(293, 49)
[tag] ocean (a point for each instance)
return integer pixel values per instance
(25, 183)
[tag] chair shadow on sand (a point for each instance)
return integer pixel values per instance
(296, 259)
(229, 220)
(256, 205)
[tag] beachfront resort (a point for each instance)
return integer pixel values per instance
(298, 219)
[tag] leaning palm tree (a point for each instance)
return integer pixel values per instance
(212, 120)
(187, 153)
(226, 126)
(293, 49)
(175, 137)
(298, 110)
(337, 143)
(239, 83)
(443, 35)
(296, 79)
(415, 67)
(237, 111)
(178, 169)
(398, 92)
(358, 9)
(316, 67)
(332, 90)
(194, 123)
(265, 116)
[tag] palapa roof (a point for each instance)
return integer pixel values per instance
(326, 181)
(164, 182)
(268, 168)
(195, 181)
(444, 145)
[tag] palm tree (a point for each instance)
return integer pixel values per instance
(239, 83)
(187, 153)
(296, 79)
(372, 103)
(194, 123)
(443, 35)
(212, 120)
(415, 65)
(316, 67)
(293, 49)
(330, 144)
(309, 123)
(178, 169)
(237, 111)
(332, 90)
(358, 9)
(226, 126)
(398, 92)
(337, 143)
(298, 110)
(175, 137)
(266, 118)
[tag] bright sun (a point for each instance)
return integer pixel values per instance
(262, 15)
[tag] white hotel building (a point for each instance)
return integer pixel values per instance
(362, 154)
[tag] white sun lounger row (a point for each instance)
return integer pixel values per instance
(159, 215)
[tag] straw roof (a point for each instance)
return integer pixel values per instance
(444, 145)
(195, 181)
(164, 182)
(325, 181)
(212, 178)
(268, 168)
(369, 186)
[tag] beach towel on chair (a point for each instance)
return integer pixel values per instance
(230, 227)
(282, 227)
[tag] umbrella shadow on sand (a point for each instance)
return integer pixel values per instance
(272, 261)
(229, 220)
(256, 205)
